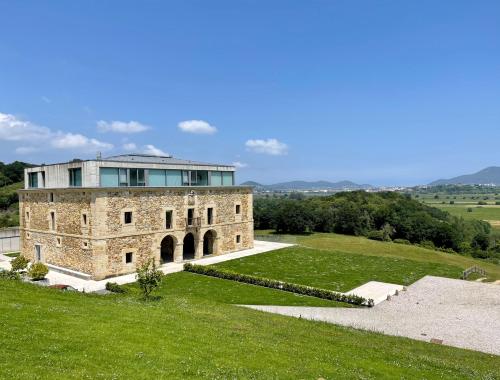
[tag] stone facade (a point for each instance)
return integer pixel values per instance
(86, 229)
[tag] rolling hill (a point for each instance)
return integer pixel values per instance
(305, 185)
(488, 176)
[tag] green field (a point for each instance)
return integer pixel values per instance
(490, 213)
(462, 202)
(193, 332)
(336, 270)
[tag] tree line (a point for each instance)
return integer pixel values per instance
(380, 216)
(11, 179)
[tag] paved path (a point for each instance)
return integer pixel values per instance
(56, 277)
(460, 313)
(377, 291)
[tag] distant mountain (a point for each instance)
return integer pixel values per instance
(488, 176)
(304, 185)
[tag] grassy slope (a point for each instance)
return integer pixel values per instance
(363, 246)
(49, 334)
(336, 270)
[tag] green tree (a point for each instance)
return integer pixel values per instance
(481, 241)
(149, 278)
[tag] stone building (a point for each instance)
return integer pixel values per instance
(105, 217)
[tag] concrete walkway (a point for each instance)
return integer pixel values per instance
(457, 313)
(56, 277)
(377, 291)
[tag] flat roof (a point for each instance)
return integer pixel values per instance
(136, 158)
(151, 159)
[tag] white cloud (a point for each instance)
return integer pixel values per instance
(197, 126)
(239, 165)
(269, 146)
(129, 146)
(121, 126)
(15, 129)
(151, 149)
(77, 141)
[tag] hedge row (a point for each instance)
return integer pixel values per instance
(275, 284)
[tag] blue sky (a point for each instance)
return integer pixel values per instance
(380, 92)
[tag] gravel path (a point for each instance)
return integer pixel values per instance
(458, 313)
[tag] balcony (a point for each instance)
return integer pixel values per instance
(193, 222)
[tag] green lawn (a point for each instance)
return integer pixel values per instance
(12, 254)
(363, 246)
(229, 292)
(334, 269)
(189, 333)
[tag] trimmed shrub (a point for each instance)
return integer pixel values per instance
(402, 241)
(275, 284)
(482, 203)
(19, 263)
(115, 288)
(427, 244)
(375, 235)
(38, 271)
(9, 275)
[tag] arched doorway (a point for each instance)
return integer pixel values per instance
(209, 243)
(188, 247)
(167, 249)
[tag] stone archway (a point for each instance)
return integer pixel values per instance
(167, 249)
(189, 248)
(209, 242)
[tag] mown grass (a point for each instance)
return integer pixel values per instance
(334, 269)
(48, 334)
(362, 246)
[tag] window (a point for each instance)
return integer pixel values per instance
(108, 177)
(52, 220)
(58, 241)
(168, 219)
(137, 177)
(38, 253)
(27, 216)
(84, 219)
(33, 180)
(123, 177)
(75, 177)
(85, 245)
(185, 178)
(190, 218)
(238, 209)
(194, 177)
(51, 197)
(127, 217)
(129, 256)
(43, 179)
(227, 179)
(238, 239)
(210, 215)
(216, 179)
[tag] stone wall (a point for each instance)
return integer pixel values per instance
(99, 247)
